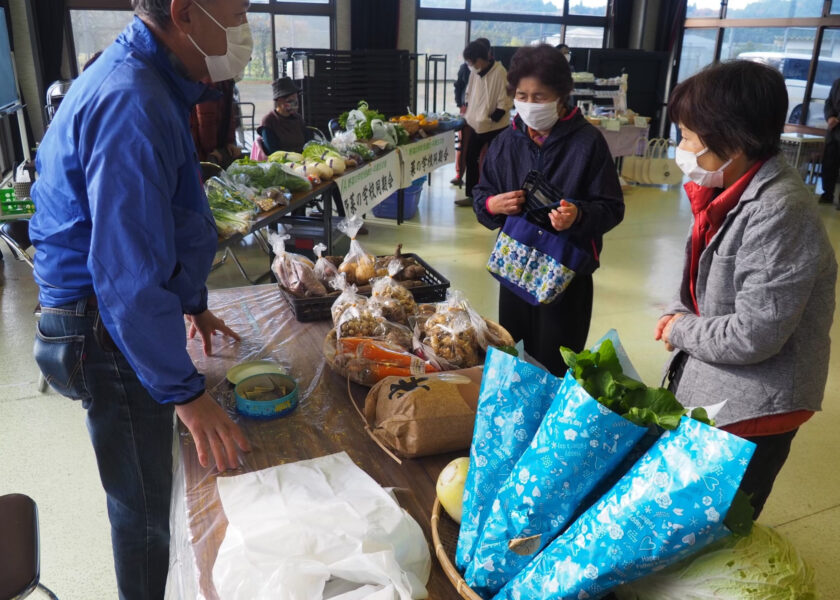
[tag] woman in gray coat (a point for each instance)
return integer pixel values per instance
(750, 325)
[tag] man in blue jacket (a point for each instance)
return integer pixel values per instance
(124, 241)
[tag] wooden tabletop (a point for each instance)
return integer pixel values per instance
(324, 422)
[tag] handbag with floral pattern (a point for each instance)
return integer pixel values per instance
(535, 264)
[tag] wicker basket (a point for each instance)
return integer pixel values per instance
(445, 539)
(411, 126)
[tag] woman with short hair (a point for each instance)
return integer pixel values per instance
(572, 155)
(750, 325)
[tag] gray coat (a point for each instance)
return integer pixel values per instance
(765, 290)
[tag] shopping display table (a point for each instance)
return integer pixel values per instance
(325, 422)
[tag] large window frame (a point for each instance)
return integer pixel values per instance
(721, 23)
(565, 20)
(271, 7)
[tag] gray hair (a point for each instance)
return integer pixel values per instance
(155, 10)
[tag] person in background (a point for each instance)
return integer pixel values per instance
(567, 54)
(460, 86)
(548, 136)
(750, 324)
(124, 241)
(213, 125)
(283, 128)
(488, 108)
(831, 153)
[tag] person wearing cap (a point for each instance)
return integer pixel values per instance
(283, 128)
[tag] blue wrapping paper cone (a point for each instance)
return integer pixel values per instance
(578, 444)
(669, 505)
(511, 404)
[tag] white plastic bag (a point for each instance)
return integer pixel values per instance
(317, 529)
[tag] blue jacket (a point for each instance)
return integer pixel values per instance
(120, 210)
(575, 158)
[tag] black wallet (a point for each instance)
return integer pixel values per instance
(541, 197)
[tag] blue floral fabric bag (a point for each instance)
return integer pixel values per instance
(579, 443)
(670, 504)
(535, 264)
(513, 399)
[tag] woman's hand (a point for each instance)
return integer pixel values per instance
(206, 324)
(663, 328)
(509, 203)
(564, 216)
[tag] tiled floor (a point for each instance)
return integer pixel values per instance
(44, 450)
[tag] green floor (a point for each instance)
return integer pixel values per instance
(45, 451)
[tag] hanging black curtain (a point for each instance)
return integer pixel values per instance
(374, 24)
(49, 16)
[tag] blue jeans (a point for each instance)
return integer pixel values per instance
(131, 435)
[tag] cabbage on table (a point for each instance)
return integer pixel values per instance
(760, 566)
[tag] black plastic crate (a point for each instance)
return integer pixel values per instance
(432, 289)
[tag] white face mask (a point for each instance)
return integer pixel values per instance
(472, 68)
(687, 162)
(538, 115)
(230, 65)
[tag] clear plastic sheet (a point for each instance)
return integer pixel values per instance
(325, 422)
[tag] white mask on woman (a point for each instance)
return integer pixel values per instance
(230, 65)
(687, 162)
(538, 115)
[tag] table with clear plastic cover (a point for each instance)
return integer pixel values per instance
(325, 422)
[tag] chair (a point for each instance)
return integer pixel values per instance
(16, 235)
(20, 569)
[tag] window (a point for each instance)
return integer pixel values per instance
(702, 9)
(773, 9)
(585, 37)
(429, 41)
(594, 8)
(698, 50)
(302, 31)
(502, 33)
(522, 7)
(442, 4)
(95, 30)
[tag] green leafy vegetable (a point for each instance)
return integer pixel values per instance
(601, 375)
(760, 566)
(362, 129)
(265, 175)
(739, 519)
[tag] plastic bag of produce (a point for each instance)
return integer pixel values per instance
(579, 443)
(455, 336)
(423, 414)
(760, 566)
(670, 504)
(293, 271)
(398, 303)
(358, 265)
(349, 297)
(231, 206)
(513, 399)
(325, 270)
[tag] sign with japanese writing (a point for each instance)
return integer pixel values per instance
(426, 155)
(363, 188)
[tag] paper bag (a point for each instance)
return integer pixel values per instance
(425, 414)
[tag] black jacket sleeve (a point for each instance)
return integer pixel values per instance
(489, 184)
(603, 208)
(461, 84)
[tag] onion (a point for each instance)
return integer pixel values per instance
(450, 487)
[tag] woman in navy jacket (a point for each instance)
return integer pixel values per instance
(556, 140)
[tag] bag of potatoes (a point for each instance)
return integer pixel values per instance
(425, 414)
(358, 266)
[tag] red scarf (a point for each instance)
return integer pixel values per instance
(709, 213)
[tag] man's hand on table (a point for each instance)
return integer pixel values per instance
(206, 324)
(213, 431)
